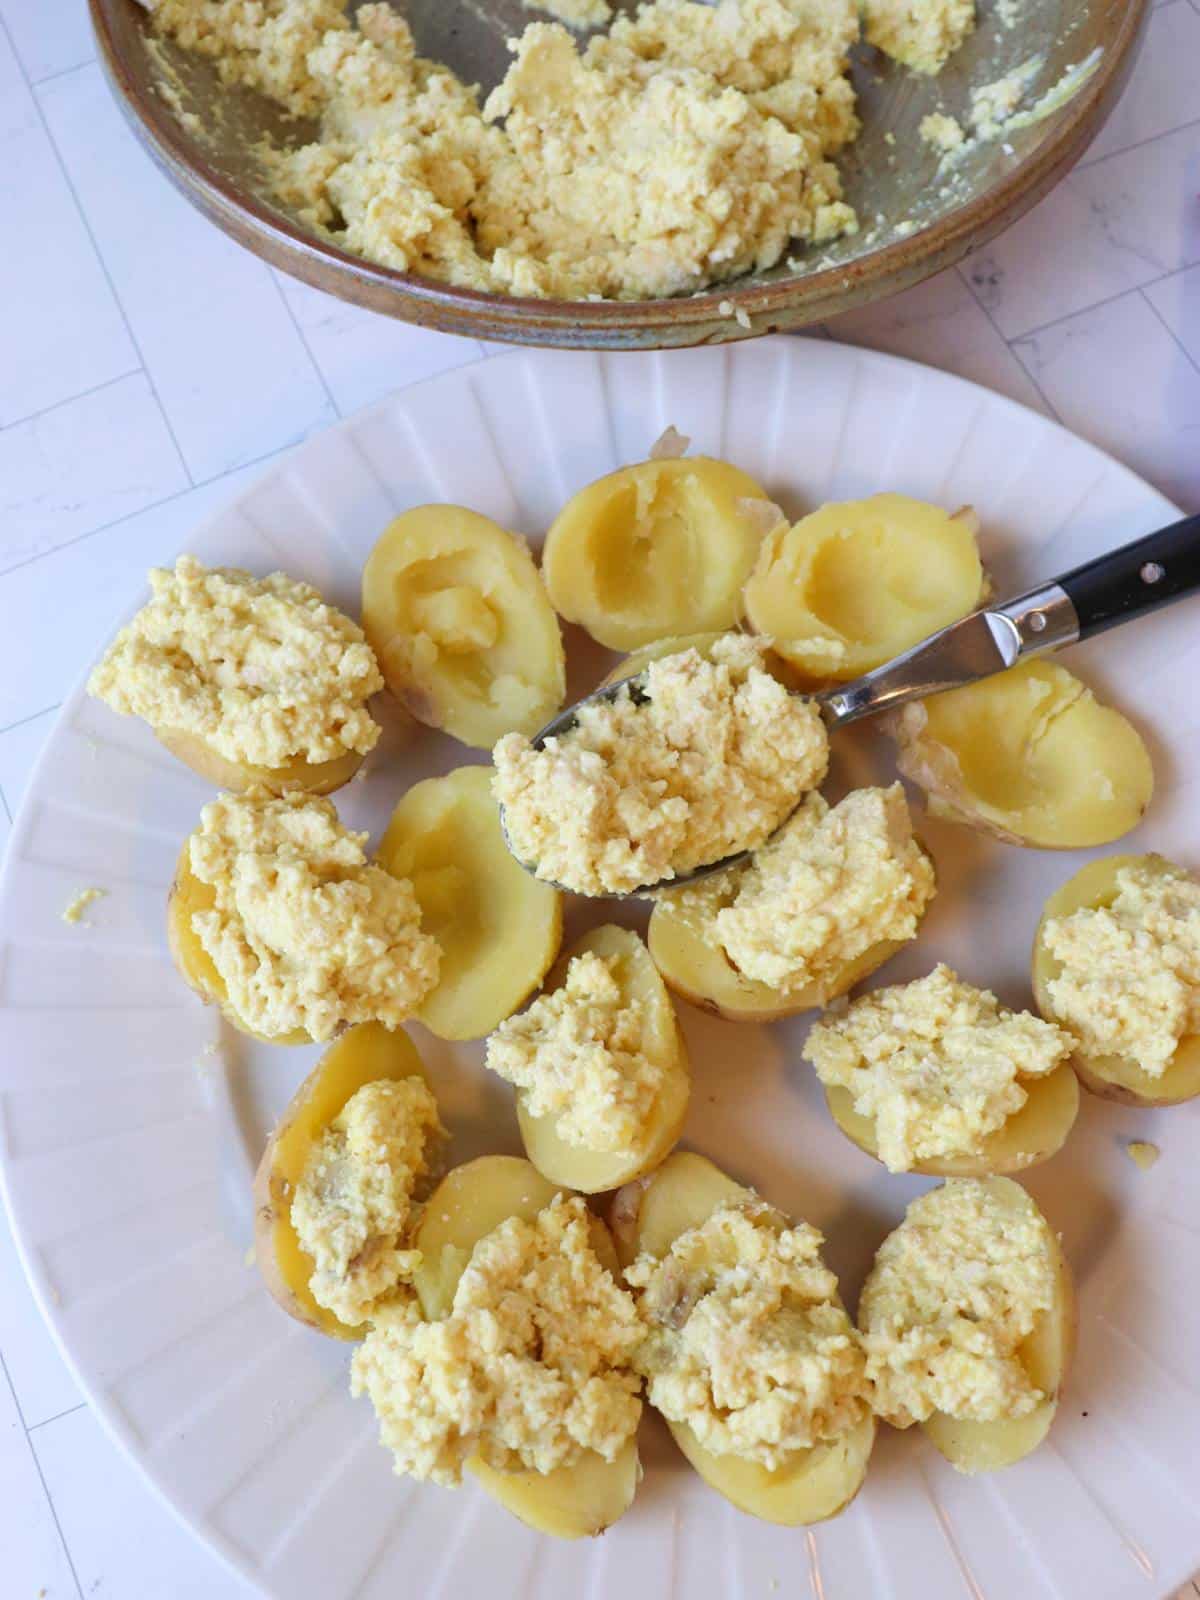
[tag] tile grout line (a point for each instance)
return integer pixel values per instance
(57, 1417)
(1171, 334)
(1097, 305)
(37, 1467)
(32, 717)
(155, 505)
(78, 66)
(99, 254)
(69, 400)
(7, 812)
(965, 278)
(1088, 162)
(273, 274)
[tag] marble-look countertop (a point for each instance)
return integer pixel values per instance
(148, 367)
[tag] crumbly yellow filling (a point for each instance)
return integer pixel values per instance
(1130, 979)
(303, 932)
(921, 34)
(530, 1369)
(690, 144)
(953, 1292)
(712, 762)
(353, 1206)
(579, 1055)
(747, 1342)
(261, 669)
(937, 1063)
(829, 886)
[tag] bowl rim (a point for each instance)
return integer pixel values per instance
(790, 301)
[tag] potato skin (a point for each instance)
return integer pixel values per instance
(1031, 1135)
(1112, 1077)
(297, 776)
(362, 1055)
(814, 1484)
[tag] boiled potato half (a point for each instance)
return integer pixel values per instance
(459, 621)
(1029, 756)
(497, 927)
(187, 896)
(362, 1055)
(1113, 1077)
(1046, 1355)
(858, 582)
(310, 777)
(654, 550)
(592, 1171)
(699, 970)
(466, 1206)
(648, 1216)
(1030, 1135)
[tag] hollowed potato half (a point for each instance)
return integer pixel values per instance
(188, 895)
(498, 928)
(365, 1054)
(459, 621)
(813, 1484)
(1046, 1355)
(593, 1171)
(466, 1206)
(654, 550)
(1112, 1077)
(1029, 756)
(699, 970)
(1030, 1135)
(311, 777)
(866, 580)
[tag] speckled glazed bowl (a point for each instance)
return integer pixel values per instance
(915, 222)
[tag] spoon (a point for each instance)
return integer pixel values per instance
(1125, 583)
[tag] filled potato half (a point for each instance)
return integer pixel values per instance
(647, 1217)
(570, 1502)
(658, 1051)
(1029, 756)
(187, 896)
(1113, 1076)
(363, 1055)
(858, 582)
(457, 615)
(309, 777)
(654, 550)
(959, 1284)
(498, 927)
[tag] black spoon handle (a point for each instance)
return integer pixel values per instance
(1137, 578)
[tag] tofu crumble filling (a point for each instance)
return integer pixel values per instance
(261, 669)
(938, 1064)
(710, 761)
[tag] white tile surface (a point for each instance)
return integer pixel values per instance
(230, 368)
(1149, 413)
(50, 35)
(125, 1543)
(82, 465)
(61, 330)
(162, 331)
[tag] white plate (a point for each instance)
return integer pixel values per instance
(131, 1119)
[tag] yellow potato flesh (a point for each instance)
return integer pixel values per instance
(571, 1502)
(1113, 1077)
(1046, 1354)
(869, 577)
(189, 895)
(311, 777)
(662, 548)
(591, 1171)
(1030, 755)
(362, 1055)
(699, 969)
(497, 927)
(1030, 1135)
(812, 1484)
(638, 660)
(461, 626)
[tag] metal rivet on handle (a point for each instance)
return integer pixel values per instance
(1037, 621)
(1152, 572)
